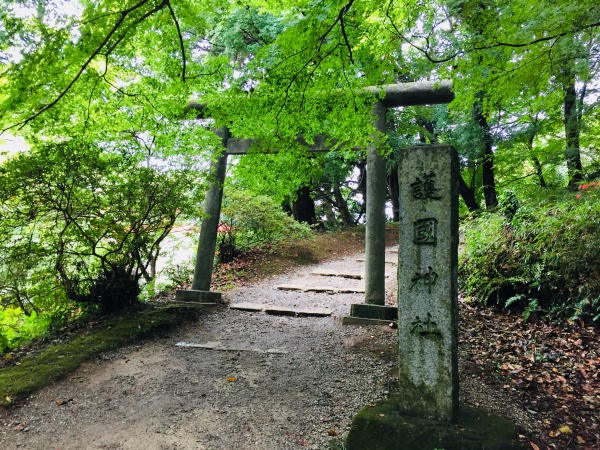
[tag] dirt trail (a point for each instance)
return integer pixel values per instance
(161, 396)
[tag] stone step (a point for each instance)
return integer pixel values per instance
(387, 261)
(282, 310)
(333, 273)
(320, 289)
(247, 306)
(287, 311)
(219, 346)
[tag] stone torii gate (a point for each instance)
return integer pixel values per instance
(388, 96)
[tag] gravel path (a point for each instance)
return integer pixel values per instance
(302, 394)
(160, 396)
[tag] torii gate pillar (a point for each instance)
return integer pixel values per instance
(207, 242)
(375, 232)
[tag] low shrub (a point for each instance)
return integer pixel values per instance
(249, 220)
(542, 258)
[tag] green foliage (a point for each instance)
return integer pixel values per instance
(85, 224)
(16, 327)
(250, 220)
(543, 259)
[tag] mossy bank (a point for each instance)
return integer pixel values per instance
(35, 372)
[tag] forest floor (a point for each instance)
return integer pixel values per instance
(280, 382)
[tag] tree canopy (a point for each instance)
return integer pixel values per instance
(115, 77)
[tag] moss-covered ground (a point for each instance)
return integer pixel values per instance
(39, 370)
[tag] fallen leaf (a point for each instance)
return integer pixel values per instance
(19, 427)
(555, 433)
(381, 415)
(230, 379)
(565, 429)
(580, 440)
(533, 446)
(331, 432)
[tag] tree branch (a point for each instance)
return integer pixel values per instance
(122, 16)
(340, 18)
(183, 57)
(431, 59)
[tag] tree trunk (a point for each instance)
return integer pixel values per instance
(489, 184)
(303, 208)
(342, 206)
(468, 195)
(572, 130)
(362, 186)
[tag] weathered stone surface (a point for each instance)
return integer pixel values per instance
(333, 273)
(427, 282)
(205, 254)
(387, 261)
(375, 214)
(219, 346)
(213, 345)
(390, 95)
(285, 311)
(320, 289)
(356, 290)
(247, 306)
(367, 311)
(290, 287)
(197, 296)
(385, 427)
(349, 320)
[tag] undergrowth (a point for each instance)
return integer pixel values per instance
(543, 259)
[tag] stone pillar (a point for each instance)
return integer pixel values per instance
(427, 282)
(375, 233)
(207, 242)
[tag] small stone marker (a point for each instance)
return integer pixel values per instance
(427, 282)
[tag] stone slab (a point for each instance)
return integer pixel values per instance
(320, 289)
(387, 261)
(285, 311)
(367, 311)
(218, 346)
(247, 306)
(384, 427)
(349, 320)
(350, 291)
(213, 345)
(191, 295)
(290, 287)
(333, 273)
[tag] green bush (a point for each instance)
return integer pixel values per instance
(249, 220)
(544, 258)
(84, 224)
